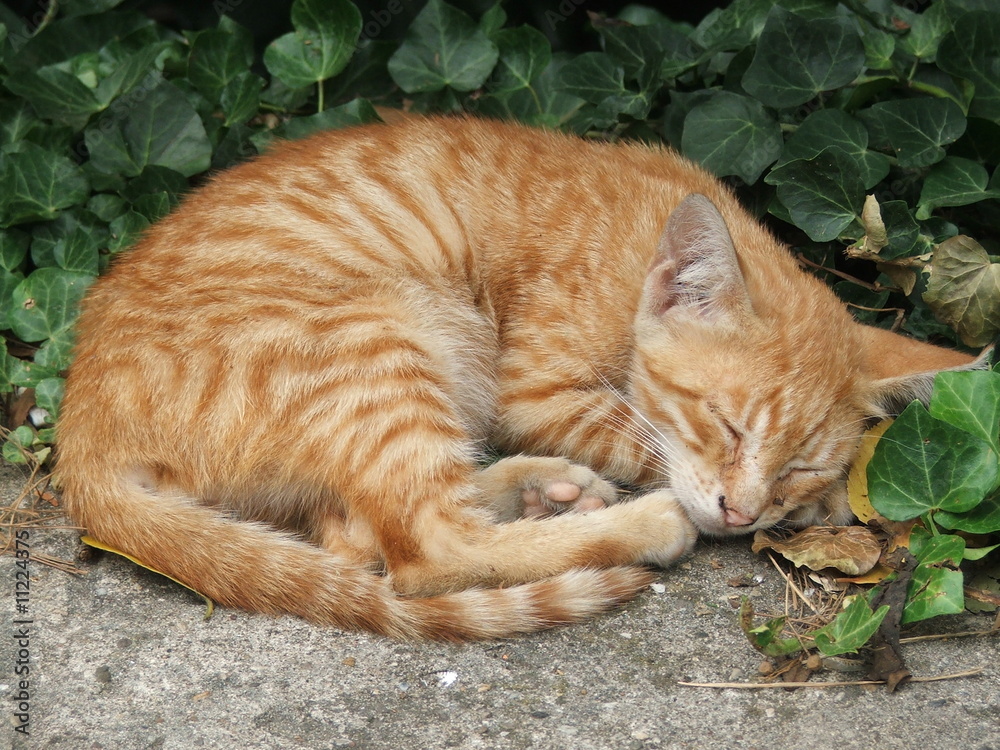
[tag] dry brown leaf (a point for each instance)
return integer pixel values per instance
(850, 549)
(904, 278)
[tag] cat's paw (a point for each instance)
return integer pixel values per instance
(535, 486)
(674, 534)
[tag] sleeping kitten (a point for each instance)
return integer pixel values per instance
(282, 391)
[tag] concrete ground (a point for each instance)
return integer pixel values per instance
(121, 658)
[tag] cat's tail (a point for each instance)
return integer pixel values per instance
(254, 567)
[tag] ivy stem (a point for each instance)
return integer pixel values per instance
(320, 103)
(929, 520)
(50, 13)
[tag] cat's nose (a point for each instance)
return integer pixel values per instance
(735, 518)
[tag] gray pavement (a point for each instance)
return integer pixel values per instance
(121, 658)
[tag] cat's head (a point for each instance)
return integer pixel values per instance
(756, 386)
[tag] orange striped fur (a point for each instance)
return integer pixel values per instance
(282, 394)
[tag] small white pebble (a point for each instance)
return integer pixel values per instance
(38, 416)
(447, 679)
(640, 735)
(658, 588)
(625, 635)
(769, 713)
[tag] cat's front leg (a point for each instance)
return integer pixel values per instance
(679, 534)
(532, 486)
(588, 423)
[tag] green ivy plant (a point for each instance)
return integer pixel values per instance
(942, 465)
(936, 472)
(858, 124)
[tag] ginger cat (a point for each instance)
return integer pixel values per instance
(280, 394)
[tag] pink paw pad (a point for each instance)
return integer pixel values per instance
(566, 494)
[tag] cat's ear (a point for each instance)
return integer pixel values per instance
(904, 369)
(695, 269)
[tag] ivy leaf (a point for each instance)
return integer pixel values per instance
(543, 103)
(914, 129)
(493, 20)
(366, 75)
(851, 629)
(162, 129)
(78, 251)
(126, 230)
(924, 464)
(593, 76)
(37, 184)
(443, 47)
(217, 58)
(926, 31)
(824, 194)
(356, 112)
(17, 446)
(902, 232)
(642, 50)
(954, 182)
(55, 94)
(326, 33)
(983, 519)
(765, 638)
(879, 46)
(597, 78)
(972, 51)
(831, 127)
(797, 58)
(970, 401)
(49, 394)
(936, 586)
(13, 249)
(240, 99)
(524, 53)
(734, 27)
(732, 134)
(17, 121)
(963, 290)
(45, 303)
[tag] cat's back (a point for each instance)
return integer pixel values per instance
(415, 193)
(488, 207)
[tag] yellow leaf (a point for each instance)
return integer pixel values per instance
(89, 540)
(875, 575)
(857, 479)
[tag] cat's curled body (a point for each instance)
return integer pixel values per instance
(280, 395)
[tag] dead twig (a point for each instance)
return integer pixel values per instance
(844, 683)
(24, 513)
(792, 585)
(945, 636)
(845, 276)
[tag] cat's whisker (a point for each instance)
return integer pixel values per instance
(647, 426)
